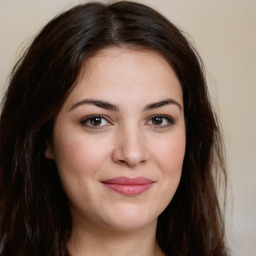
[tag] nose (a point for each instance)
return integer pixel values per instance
(130, 149)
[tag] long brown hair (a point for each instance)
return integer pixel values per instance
(34, 214)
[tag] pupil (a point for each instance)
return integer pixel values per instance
(157, 120)
(96, 121)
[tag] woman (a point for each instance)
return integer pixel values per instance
(109, 144)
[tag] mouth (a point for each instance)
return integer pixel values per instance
(128, 186)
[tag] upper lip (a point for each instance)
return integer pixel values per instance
(128, 181)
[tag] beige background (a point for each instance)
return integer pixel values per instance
(224, 32)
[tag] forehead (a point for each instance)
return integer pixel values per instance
(114, 72)
(125, 55)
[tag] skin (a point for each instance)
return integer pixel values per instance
(125, 140)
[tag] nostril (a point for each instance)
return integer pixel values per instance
(122, 161)
(131, 163)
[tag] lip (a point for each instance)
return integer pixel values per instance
(128, 186)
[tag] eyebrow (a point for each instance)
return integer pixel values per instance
(98, 103)
(109, 106)
(162, 103)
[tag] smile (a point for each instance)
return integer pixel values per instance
(129, 186)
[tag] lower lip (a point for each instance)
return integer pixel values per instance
(130, 189)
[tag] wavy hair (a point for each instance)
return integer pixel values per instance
(34, 214)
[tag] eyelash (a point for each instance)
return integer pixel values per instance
(170, 121)
(91, 118)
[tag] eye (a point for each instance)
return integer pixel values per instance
(95, 121)
(161, 121)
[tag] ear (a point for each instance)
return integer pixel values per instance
(48, 152)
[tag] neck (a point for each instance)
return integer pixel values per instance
(94, 241)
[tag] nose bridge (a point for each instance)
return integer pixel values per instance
(131, 145)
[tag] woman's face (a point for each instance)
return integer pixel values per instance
(119, 140)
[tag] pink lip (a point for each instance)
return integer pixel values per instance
(129, 186)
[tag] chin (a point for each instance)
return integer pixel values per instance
(131, 218)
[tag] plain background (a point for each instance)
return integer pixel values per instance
(224, 32)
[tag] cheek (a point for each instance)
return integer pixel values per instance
(170, 154)
(78, 154)
(78, 160)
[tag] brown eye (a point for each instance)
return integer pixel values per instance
(161, 121)
(157, 120)
(94, 122)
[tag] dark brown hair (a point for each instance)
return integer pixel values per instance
(35, 217)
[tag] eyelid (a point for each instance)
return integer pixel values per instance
(171, 121)
(87, 118)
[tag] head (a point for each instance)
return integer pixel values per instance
(42, 81)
